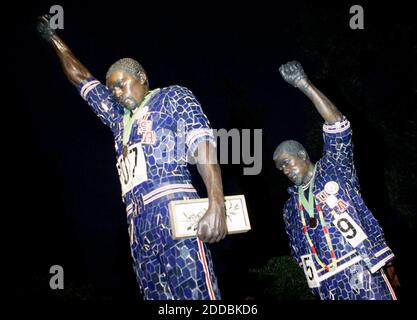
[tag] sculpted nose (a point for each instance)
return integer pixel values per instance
(117, 93)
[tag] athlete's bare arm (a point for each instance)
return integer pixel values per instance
(293, 73)
(212, 226)
(75, 71)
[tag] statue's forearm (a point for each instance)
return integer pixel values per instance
(73, 69)
(324, 106)
(210, 172)
(211, 176)
(212, 226)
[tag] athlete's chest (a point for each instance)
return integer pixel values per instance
(149, 127)
(332, 215)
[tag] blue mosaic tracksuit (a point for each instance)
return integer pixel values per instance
(167, 127)
(358, 249)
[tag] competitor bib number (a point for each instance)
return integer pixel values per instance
(132, 169)
(352, 232)
(310, 271)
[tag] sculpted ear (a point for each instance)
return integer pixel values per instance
(302, 155)
(143, 78)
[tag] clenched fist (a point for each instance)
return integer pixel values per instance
(212, 226)
(293, 73)
(44, 27)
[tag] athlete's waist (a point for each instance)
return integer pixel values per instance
(340, 265)
(151, 190)
(167, 190)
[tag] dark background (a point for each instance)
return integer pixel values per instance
(63, 202)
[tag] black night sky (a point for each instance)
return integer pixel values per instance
(64, 200)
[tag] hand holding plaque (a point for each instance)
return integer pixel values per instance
(185, 214)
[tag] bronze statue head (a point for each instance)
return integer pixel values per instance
(292, 159)
(128, 81)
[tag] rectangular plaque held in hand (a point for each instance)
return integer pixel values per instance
(185, 214)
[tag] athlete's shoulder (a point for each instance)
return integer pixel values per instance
(289, 205)
(176, 91)
(179, 95)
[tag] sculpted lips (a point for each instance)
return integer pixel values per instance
(292, 176)
(127, 102)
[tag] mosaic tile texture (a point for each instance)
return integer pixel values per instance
(358, 273)
(150, 176)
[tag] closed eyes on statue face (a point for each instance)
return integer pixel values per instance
(128, 90)
(294, 167)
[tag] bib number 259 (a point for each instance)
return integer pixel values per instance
(350, 230)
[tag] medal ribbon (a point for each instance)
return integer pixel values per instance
(309, 206)
(129, 117)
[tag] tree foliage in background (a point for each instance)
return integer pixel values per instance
(283, 279)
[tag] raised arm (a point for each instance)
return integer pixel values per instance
(293, 73)
(75, 71)
(98, 96)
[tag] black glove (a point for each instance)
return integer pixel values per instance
(292, 72)
(44, 27)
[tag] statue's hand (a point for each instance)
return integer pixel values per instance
(212, 226)
(392, 276)
(293, 73)
(44, 27)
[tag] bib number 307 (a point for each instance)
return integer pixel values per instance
(310, 271)
(132, 169)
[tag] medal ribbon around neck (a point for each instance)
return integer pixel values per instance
(309, 206)
(129, 117)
